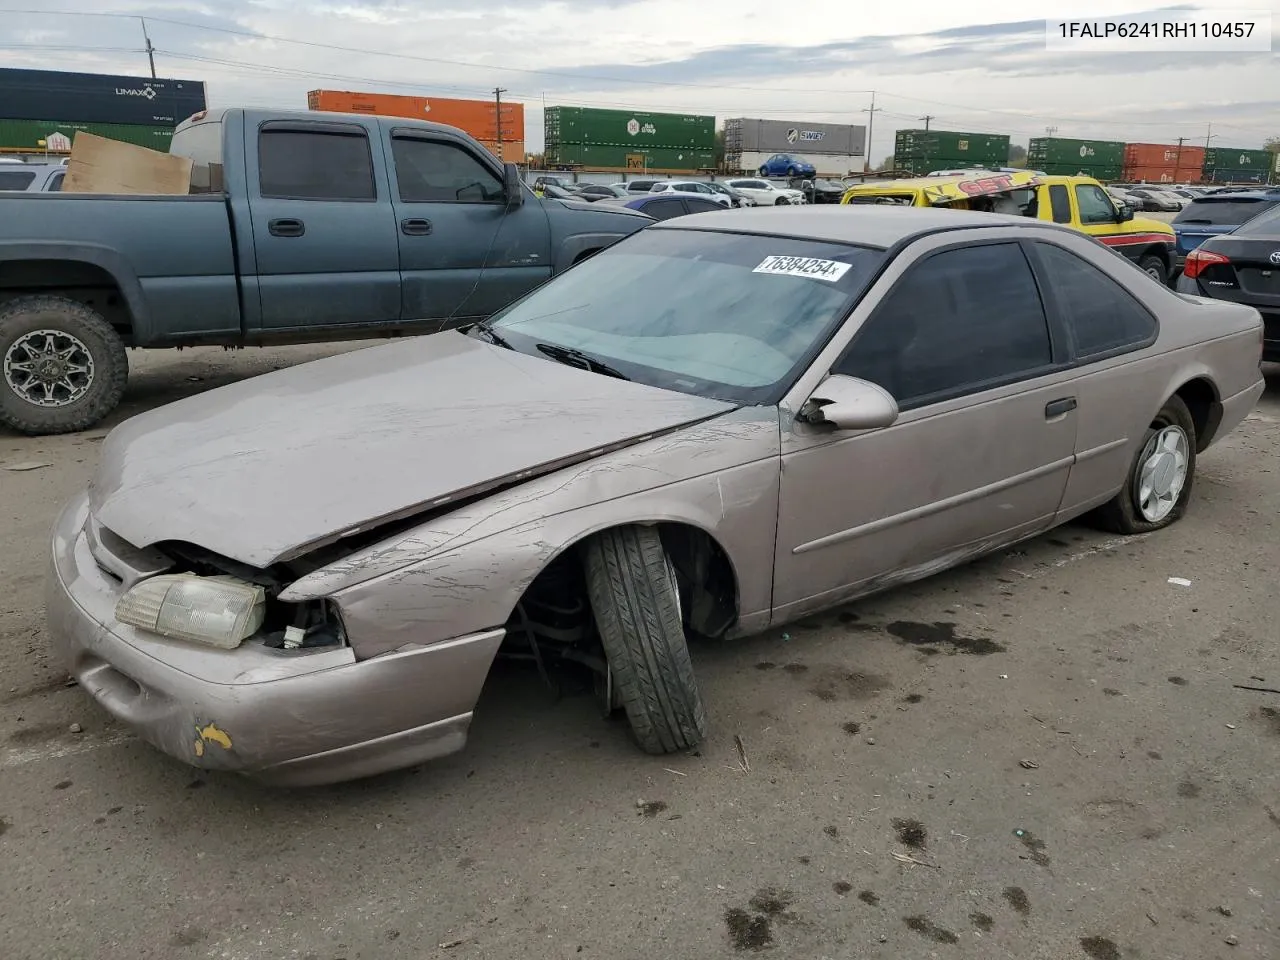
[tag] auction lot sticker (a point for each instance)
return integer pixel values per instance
(829, 270)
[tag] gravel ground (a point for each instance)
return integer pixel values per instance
(1040, 755)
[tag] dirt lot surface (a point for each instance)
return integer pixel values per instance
(1041, 755)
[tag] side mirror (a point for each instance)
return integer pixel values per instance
(512, 185)
(848, 403)
(1126, 213)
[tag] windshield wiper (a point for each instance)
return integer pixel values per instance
(577, 358)
(491, 335)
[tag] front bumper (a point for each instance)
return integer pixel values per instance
(294, 718)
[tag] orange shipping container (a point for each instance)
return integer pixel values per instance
(1163, 154)
(1164, 173)
(477, 117)
(512, 150)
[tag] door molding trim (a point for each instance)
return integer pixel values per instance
(936, 507)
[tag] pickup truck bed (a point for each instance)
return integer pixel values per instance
(328, 227)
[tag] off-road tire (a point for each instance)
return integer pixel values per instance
(1121, 514)
(1154, 266)
(634, 596)
(110, 362)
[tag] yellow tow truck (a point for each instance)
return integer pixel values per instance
(1078, 202)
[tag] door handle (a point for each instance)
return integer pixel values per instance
(415, 227)
(1056, 408)
(286, 228)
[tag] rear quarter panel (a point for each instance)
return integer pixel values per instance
(174, 253)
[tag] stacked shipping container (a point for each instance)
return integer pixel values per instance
(1230, 165)
(622, 140)
(1060, 156)
(834, 149)
(1162, 163)
(480, 118)
(51, 105)
(923, 150)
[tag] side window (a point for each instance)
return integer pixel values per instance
(665, 209)
(304, 165)
(956, 322)
(16, 179)
(432, 171)
(701, 205)
(1060, 201)
(55, 185)
(1095, 205)
(1102, 315)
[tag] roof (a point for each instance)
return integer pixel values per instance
(868, 226)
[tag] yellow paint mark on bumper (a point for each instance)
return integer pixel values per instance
(210, 733)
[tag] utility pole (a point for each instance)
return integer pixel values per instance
(151, 51)
(871, 125)
(1051, 131)
(497, 116)
(926, 118)
(1177, 159)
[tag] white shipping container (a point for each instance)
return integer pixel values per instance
(831, 165)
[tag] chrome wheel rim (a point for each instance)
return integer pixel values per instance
(1162, 473)
(48, 368)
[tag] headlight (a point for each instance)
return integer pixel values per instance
(216, 611)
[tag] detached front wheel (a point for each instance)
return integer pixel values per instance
(636, 602)
(62, 366)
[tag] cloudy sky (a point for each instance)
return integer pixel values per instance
(977, 66)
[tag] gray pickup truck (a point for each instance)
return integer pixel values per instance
(326, 227)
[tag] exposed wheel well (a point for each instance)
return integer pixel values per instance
(1201, 398)
(83, 282)
(708, 583)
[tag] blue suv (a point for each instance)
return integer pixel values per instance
(786, 165)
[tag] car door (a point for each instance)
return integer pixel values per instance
(1105, 325)
(324, 240)
(464, 251)
(1097, 212)
(981, 451)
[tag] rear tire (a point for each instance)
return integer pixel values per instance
(636, 602)
(1168, 450)
(764, 171)
(70, 344)
(1154, 267)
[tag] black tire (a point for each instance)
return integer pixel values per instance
(782, 202)
(764, 171)
(1154, 267)
(636, 603)
(110, 369)
(1122, 514)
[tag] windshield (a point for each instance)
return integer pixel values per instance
(729, 316)
(1228, 211)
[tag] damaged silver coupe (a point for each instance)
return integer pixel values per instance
(714, 427)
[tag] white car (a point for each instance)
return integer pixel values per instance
(766, 194)
(692, 186)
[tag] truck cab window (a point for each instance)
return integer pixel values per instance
(305, 165)
(432, 171)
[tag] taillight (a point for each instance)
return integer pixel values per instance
(1198, 261)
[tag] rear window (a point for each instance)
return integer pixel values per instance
(1266, 225)
(1229, 211)
(16, 179)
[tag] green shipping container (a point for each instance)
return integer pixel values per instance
(619, 128)
(1233, 159)
(25, 135)
(930, 148)
(638, 158)
(1043, 151)
(921, 165)
(1105, 172)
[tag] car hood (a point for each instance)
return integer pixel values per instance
(269, 468)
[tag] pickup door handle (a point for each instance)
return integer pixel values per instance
(414, 227)
(1056, 408)
(286, 228)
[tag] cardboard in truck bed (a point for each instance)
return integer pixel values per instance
(99, 165)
